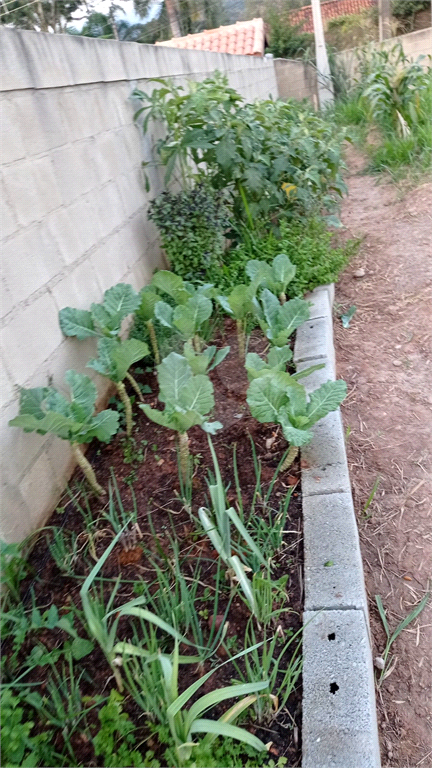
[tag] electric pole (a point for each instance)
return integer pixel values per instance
(325, 82)
(384, 19)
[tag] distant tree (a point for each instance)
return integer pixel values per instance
(190, 16)
(43, 15)
(101, 25)
(287, 41)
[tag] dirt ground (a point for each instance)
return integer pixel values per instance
(386, 358)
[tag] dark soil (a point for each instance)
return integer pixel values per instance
(149, 474)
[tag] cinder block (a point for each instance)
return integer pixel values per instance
(9, 223)
(72, 353)
(326, 468)
(18, 449)
(339, 715)
(74, 170)
(83, 219)
(11, 139)
(314, 340)
(31, 337)
(319, 377)
(7, 390)
(6, 301)
(61, 460)
(77, 288)
(30, 259)
(131, 186)
(38, 490)
(109, 209)
(15, 521)
(333, 565)
(82, 115)
(40, 117)
(32, 189)
(330, 288)
(319, 299)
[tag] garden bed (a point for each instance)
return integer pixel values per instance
(166, 532)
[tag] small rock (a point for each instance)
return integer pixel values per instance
(397, 363)
(379, 662)
(359, 272)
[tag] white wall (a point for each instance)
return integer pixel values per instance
(74, 218)
(414, 44)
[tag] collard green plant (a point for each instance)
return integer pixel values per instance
(148, 300)
(241, 305)
(114, 360)
(205, 361)
(275, 276)
(191, 224)
(44, 410)
(279, 398)
(279, 321)
(103, 319)
(276, 361)
(187, 319)
(188, 401)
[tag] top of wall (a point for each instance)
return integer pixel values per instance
(41, 60)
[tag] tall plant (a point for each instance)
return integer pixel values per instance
(45, 410)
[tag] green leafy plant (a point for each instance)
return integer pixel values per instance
(186, 318)
(277, 360)
(384, 662)
(205, 361)
(218, 525)
(279, 321)
(279, 398)
(240, 305)
(115, 740)
(103, 319)
(18, 746)
(148, 300)
(14, 567)
(275, 276)
(188, 401)
(44, 410)
(192, 225)
(114, 360)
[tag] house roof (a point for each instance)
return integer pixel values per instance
(243, 38)
(330, 9)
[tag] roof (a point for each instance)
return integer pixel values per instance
(330, 9)
(243, 38)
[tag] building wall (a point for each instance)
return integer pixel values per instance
(296, 80)
(74, 218)
(414, 44)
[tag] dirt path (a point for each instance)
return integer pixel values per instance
(386, 358)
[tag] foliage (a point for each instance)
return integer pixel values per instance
(44, 16)
(404, 9)
(192, 225)
(386, 667)
(14, 567)
(102, 25)
(287, 41)
(18, 746)
(103, 319)
(279, 321)
(268, 156)
(240, 304)
(188, 399)
(115, 740)
(275, 277)
(205, 361)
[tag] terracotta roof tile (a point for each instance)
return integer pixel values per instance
(242, 38)
(330, 9)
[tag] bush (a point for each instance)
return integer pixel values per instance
(192, 225)
(308, 245)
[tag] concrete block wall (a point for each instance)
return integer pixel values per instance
(74, 218)
(296, 80)
(414, 44)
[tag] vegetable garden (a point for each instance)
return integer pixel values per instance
(157, 619)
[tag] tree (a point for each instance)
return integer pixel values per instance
(102, 25)
(41, 16)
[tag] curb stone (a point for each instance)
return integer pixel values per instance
(339, 715)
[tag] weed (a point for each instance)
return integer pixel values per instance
(385, 661)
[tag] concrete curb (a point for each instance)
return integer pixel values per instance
(339, 715)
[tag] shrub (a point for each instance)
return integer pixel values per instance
(192, 225)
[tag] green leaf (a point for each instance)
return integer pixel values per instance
(189, 317)
(265, 396)
(240, 301)
(174, 375)
(326, 398)
(259, 273)
(292, 434)
(77, 322)
(307, 371)
(197, 395)
(271, 307)
(52, 422)
(292, 314)
(219, 357)
(209, 700)
(81, 647)
(283, 270)
(278, 357)
(211, 427)
(103, 426)
(172, 284)
(164, 313)
(104, 363)
(83, 395)
(159, 417)
(120, 301)
(127, 352)
(31, 401)
(149, 299)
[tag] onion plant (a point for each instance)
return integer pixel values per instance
(45, 410)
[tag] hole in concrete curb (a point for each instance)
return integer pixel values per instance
(332, 636)
(334, 687)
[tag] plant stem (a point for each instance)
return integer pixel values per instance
(197, 343)
(241, 340)
(282, 298)
(291, 455)
(153, 341)
(184, 455)
(134, 384)
(124, 397)
(87, 469)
